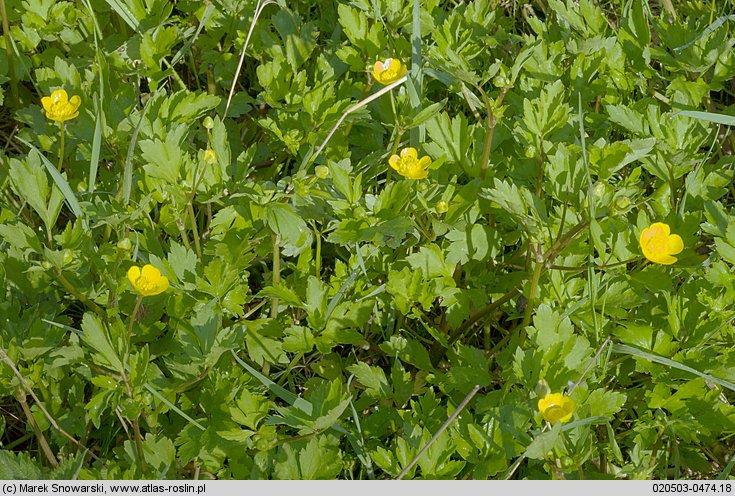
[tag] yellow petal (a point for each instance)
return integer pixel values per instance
(75, 101)
(661, 229)
(664, 259)
(402, 72)
(162, 284)
(409, 153)
(60, 96)
(425, 162)
(675, 244)
(646, 235)
(133, 274)
(150, 272)
(46, 103)
(394, 161)
(378, 69)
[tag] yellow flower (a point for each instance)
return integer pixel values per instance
(658, 244)
(556, 407)
(389, 71)
(59, 107)
(409, 165)
(148, 281)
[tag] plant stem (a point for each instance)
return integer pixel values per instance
(276, 272)
(182, 232)
(139, 445)
(538, 267)
(133, 316)
(393, 106)
(79, 296)
(34, 425)
(486, 310)
(491, 123)
(61, 151)
(548, 258)
(135, 422)
(9, 51)
(194, 229)
(318, 261)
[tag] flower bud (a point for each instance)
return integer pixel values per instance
(67, 256)
(321, 171)
(500, 81)
(599, 189)
(125, 244)
(442, 207)
(208, 122)
(210, 157)
(621, 203)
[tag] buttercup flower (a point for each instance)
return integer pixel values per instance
(389, 71)
(409, 165)
(59, 107)
(148, 281)
(658, 244)
(556, 407)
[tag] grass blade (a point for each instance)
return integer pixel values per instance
(258, 10)
(347, 112)
(208, 11)
(415, 82)
(99, 115)
(727, 120)
(629, 350)
(96, 145)
(173, 407)
(726, 471)
(124, 11)
(284, 394)
(718, 22)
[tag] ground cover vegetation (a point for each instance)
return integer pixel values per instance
(306, 239)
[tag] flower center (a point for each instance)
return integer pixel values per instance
(555, 412)
(146, 285)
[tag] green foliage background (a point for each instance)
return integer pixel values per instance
(328, 327)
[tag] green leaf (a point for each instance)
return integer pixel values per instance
(544, 443)
(31, 184)
(164, 158)
(628, 118)
(605, 403)
(294, 233)
(373, 378)
(452, 138)
(95, 335)
(19, 466)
